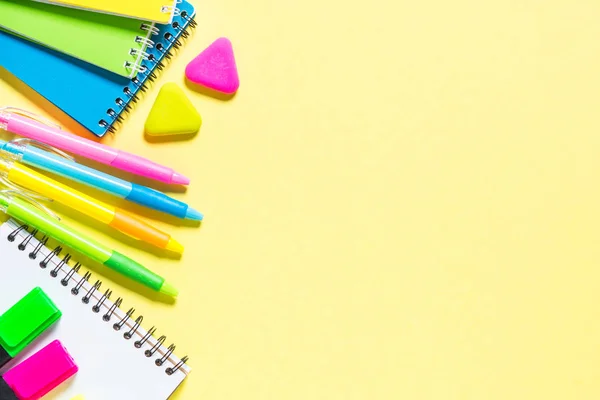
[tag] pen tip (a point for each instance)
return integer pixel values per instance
(174, 246)
(169, 289)
(193, 215)
(179, 179)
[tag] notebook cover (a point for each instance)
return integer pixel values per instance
(94, 97)
(114, 43)
(160, 11)
(111, 366)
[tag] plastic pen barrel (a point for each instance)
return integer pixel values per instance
(112, 216)
(112, 185)
(61, 166)
(126, 266)
(23, 211)
(158, 201)
(71, 143)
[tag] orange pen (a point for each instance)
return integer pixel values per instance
(15, 173)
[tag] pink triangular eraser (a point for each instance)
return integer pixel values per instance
(215, 67)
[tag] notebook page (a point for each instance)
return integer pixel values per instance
(110, 367)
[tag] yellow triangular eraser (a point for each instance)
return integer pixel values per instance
(172, 113)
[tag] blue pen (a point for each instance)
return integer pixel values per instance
(55, 161)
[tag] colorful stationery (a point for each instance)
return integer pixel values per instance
(22, 208)
(172, 113)
(117, 357)
(39, 374)
(17, 176)
(55, 161)
(92, 96)
(215, 68)
(24, 322)
(114, 43)
(161, 11)
(24, 124)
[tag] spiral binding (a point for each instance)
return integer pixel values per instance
(145, 73)
(25, 238)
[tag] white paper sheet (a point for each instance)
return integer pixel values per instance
(110, 366)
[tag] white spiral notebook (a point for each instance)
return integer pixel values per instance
(117, 358)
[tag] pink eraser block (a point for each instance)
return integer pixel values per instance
(215, 68)
(42, 372)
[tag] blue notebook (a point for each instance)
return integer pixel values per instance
(94, 97)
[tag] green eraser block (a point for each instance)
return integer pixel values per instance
(26, 320)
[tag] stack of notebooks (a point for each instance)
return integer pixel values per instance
(91, 58)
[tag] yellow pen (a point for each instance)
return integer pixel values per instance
(12, 172)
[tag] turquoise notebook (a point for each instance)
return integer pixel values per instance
(94, 97)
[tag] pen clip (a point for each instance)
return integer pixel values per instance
(10, 158)
(12, 193)
(17, 188)
(43, 146)
(30, 115)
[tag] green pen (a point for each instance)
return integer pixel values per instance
(21, 207)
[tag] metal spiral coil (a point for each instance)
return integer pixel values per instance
(86, 299)
(157, 345)
(105, 296)
(42, 243)
(75, 270)
(181, 363)
(133, 330)
(165, 45)
(13, 235)
(106, 317)
(55, 252)
(138, 84)
(62, 264)
(118, 325)
(138, 344)
(23, 245)
(84, 278)
(160, 361)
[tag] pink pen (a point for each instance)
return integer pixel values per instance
(23, 124)
(39, 374)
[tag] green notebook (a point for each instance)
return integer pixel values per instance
(111, 42)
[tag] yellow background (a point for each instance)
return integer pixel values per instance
(401, 202)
